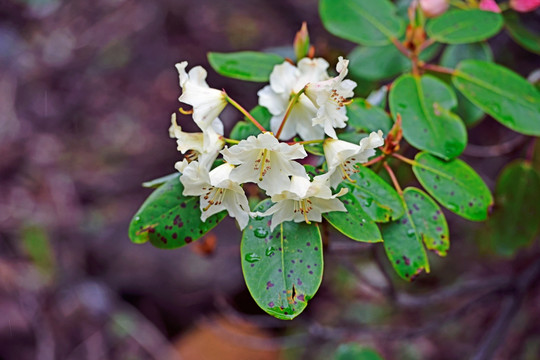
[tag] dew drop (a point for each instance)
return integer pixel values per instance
(270, 251)
(252, 257)
(260, 232)
(410, 232)
(259, 218)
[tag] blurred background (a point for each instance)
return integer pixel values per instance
(86, 93)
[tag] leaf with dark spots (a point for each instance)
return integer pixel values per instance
(428, 219)
(403, 244)
(455, 185)
(169, 219)
(376, 197)
(280, 278)
(355, 223)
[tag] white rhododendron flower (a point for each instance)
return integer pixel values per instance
(286, 80)
(304, 201)
(216, 190)
(330, 97)
(265, 161)
(207, 102)
(342, 156)
(205, 145)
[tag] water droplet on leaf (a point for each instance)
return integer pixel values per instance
(410, 232)
(252, 257)
(260, 232)
(270, 251)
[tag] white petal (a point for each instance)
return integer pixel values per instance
(274, 102)
(283, 78)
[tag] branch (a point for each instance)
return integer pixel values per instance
(496, 335)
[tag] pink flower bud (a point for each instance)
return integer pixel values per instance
(433, 8)
(524, 5)
(489, 5)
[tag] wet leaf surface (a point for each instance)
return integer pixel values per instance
(282, 268)
(464, 26)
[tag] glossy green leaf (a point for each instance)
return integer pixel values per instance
(245, 65)
(424, 104)
(169, 219)
(245, 128)
(377, 198)
(355, 223)
(464, 26)
(403, 245)
(283, 268)
(454, 54)
(365, 22)
(455, 185)
(382, 62)
(353, 351)
(428, 220)
(365, 117)
(522, 35)
(501, 93)
(515, 221)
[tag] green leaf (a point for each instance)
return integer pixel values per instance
(283, 269)
(245, 65)
(403, 245)
(452, 55)
(455, 185)
(501, 93)
(424, 104)
(169, 219)
(364, 22)
(245, 128)
(428, 219)
(155, 183)
(377, 198)
(353, 351)
(382, 62)
(365, 117)
(464, 26)
(514, 223)
(355, 223)
(522, 35)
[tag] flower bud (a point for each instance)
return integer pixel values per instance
(301, 42)
(433, 8)
(524, 5)
(489, 5)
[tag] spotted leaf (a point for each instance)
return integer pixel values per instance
(282, 268)
(355, 223)
(455, 185)
(169, 219)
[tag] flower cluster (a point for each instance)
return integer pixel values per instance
(304, 101)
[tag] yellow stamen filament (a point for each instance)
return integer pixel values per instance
(217, 197)
(338, 99)
(185, 112)
(303, 206)
(262, 164)
(348, 167)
